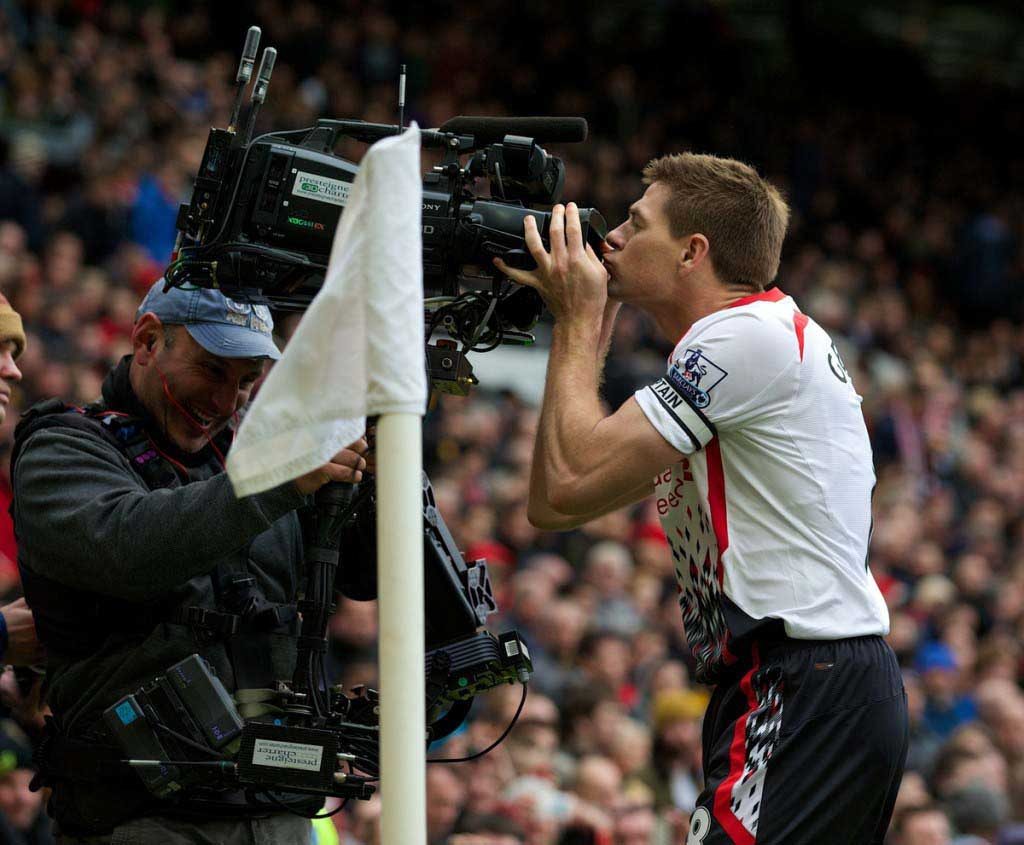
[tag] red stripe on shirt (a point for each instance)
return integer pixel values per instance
(737, 763)
(799, 324)
(773, 295)
(716, 501)
(719, 520)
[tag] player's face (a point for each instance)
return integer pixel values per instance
(641, 255)
(205, 390)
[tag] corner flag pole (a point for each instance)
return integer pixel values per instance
(400, 591)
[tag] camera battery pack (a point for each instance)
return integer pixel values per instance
(206, 699)
(129, 726)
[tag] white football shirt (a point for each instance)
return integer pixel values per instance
(769, 512)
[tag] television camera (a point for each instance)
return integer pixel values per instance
(263, 212)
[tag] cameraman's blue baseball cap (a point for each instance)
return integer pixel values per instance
(220, 325)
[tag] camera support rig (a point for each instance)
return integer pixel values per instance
(183, 729)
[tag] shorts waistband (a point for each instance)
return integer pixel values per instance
(775, 647)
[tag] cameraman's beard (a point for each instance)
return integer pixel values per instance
(195, 428)
(207, 433)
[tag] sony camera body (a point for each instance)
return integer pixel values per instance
(263, 213)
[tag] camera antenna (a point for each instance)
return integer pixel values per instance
(401, 99)
(259, 90)
(252, 44)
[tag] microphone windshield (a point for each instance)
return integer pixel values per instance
(252, 44)
(487, 130)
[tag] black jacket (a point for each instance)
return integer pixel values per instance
(85, 519)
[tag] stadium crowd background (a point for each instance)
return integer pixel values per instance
(900, 156)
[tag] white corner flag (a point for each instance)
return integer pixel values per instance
(358, 349)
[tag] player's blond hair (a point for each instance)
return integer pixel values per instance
(743, 216)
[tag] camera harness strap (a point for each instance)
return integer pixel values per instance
(157, 471)
(60, 756)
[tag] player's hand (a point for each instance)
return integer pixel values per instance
(571, 278)
(348, 466)
(23, 648)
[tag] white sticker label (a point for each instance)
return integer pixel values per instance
(321, 188)
(287, 755)
(511, 649)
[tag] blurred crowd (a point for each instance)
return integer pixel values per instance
(905, 245)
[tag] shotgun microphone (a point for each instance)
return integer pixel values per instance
(259, 90)
(252, 44)
(489, 130)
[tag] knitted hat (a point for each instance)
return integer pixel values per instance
(15, 748)
(678, 705)
(10, 326)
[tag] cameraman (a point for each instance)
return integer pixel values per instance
(135, 553)
(756, 448)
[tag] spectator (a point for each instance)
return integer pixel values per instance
(946, 707)
(675, 772)
(921, 825)
(12, 344)
(445, 794)
(977, 811)
(925, 743)
(23, 818)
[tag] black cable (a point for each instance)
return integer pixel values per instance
(288, 809)
(493, 745)
(499, 336)
(186, 741)
(432, 325)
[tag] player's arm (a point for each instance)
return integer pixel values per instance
(542, 515)
(585, 463)
(540, 512)
(595, 464)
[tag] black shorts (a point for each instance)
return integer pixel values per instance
(805, 745)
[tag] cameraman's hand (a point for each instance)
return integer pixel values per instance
(27, 707)
(347, 465)
(23, 648)
(571, 278)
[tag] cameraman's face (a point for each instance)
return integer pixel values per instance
(203, 391)
(641, 254)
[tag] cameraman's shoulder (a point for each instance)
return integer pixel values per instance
(62, 439)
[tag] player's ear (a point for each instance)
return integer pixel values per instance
(694, 250)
